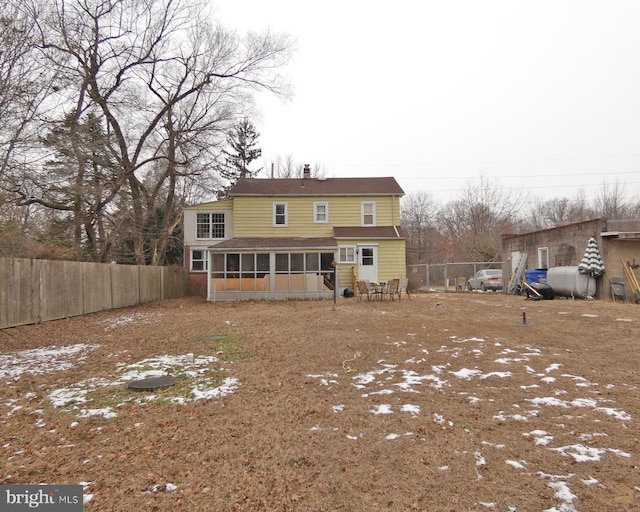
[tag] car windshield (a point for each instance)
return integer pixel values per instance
(494, 272)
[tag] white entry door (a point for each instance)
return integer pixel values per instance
(367, 263)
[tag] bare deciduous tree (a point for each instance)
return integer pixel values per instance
(476, 220)
(167, 84)
(284, 167)
(418, 212)
(610, 201)
(25, 83)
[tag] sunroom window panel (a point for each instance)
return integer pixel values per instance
(262, 261)
(282, 263)
(312, 262)
(297, 262)
(217, 262)
(248, 262)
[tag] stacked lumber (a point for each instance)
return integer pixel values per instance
(631, 279)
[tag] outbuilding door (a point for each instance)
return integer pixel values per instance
(367, 263)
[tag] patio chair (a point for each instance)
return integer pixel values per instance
(364, 288)
(617, 289)
(392, 288)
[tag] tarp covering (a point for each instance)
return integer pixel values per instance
(591, 263)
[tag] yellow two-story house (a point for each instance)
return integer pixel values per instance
(295, 238)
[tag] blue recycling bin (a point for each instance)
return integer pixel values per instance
(535, 276)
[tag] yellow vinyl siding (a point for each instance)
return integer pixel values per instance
(253, 216)
(391, 260)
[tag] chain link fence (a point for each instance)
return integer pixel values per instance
(446, 276)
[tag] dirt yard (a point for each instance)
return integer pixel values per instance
(445, 402)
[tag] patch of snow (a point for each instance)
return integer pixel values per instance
(581, 453)
(502, 375)
(466, 373)
(105, 412)
(144, 318)
(228, 386)
(382, 409)
(516, 464)
(41, 361)
(413, 409)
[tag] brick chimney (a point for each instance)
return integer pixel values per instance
(306, 172)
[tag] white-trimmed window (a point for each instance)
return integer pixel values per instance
(209, 225)
(280, 214)
(543, 257)
(347, 254)
(198, 260)
(321, 212)
(368, 213)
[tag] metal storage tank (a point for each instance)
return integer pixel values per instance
(568, 282)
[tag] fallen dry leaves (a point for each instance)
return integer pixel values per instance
(434, 409)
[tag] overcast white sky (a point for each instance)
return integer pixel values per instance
(541, 96)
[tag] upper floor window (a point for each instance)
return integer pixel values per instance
(368, 214)
(320, 213)
(210, 225)
(280, 214)
(198, 260)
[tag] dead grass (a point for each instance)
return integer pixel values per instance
(301, 433)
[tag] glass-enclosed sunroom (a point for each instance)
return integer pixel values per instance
(271, 268)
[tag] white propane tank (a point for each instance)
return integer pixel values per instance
(568, 282)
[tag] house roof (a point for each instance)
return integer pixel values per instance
(367, 232)
(316, 187)
(603, 220)
(218, 204)
(271, 243)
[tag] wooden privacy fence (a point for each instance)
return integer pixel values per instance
(33, 291)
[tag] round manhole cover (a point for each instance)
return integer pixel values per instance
(152, 383)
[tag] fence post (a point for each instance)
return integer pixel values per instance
(446, 277)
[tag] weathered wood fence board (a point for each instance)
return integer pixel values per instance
(19, 292)
(97, 278)
(125, 286)
(174, 282)
(33, 291)
(150, 283)
(61, 290)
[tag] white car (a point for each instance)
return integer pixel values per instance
(490, 279)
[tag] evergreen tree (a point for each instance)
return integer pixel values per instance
(242, 151)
